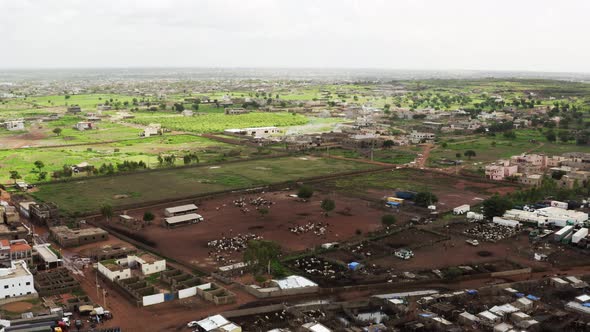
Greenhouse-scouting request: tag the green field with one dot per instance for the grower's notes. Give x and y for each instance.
(89, 194)
(490, 149)
(145, 149)
(209, 123)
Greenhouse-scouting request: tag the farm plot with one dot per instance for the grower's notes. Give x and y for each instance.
(451, 191)
(139, 188)
(145, 149)
(211, 122)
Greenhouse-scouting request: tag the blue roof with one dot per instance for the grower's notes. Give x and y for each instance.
(471, 291)
(587, 304)
(532, 297)
(353, 265)
(519, 294)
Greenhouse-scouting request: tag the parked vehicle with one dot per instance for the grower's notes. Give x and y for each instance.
(461, 209)
(474, 243)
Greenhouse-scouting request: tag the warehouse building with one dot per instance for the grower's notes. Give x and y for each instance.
(185, 219)
(180, 210)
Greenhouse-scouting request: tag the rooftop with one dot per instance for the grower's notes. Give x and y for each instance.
(18, 269)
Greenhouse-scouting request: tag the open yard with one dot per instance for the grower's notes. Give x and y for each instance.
(89, 194)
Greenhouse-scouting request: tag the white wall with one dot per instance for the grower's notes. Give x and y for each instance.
(112, 275)
(187, 292)
(157, 266)
(153, 299)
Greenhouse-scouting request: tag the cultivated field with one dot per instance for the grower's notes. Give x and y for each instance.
(89, 194)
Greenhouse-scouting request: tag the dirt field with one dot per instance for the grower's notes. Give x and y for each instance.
(17, 307)
(189, 243)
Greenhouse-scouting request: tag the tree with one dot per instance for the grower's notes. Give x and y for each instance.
(305, 192)
(458, 155)
(550, 135)
(42, 176)
(444, 145)
(469, 154)
(327, 205)
(425, 198)
(195, 107)
(260, 254)
(148, 216)
(14, 175)
(388, 143)
(57, 131)
(388, 220)
(39, 164)
(495, 206)
(106, 211)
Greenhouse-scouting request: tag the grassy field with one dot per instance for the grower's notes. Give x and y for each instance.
(89, 194)
(392, 156)
(209, 123)
(489, 149)
(145, 149)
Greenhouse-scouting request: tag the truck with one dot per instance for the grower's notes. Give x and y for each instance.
(405, 194)
(580, 234)
(558, 204)
(560, 234)
(404, 254)
(461, 209)
(393, 204)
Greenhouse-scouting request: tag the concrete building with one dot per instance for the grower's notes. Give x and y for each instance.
(147, 263)
(15, 250)
(16, 281)
(46, 257)
(151, 130)
(74, 109)
(67, 237)
(14, 125)
(500, 170)
(256, 132)
(83, 125)
(112, 270)
(236, 111)
(417, 137)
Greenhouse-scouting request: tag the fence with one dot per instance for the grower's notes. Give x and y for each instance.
(152, 299)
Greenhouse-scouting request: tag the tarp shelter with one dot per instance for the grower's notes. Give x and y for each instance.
(85, 308)
(532, 297)
(519, 295)
(471, 291)
(353, 265)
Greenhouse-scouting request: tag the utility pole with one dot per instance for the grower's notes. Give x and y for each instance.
(104, 297)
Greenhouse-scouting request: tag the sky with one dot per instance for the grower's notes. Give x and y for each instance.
(511, 35)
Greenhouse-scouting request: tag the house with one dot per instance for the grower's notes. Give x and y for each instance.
(83, 125)
(13, 250)
(533, 180)
(14, 125)
(256, 132)
(67, 237)
(16, 281)
(113, 270)
(187, 113)
(151, 130)
(236, 111)
(47, 257)
(74, 109)
(500, 170)
(417, 137)
(147, 263)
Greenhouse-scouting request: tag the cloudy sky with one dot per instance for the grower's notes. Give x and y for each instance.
(535, 35)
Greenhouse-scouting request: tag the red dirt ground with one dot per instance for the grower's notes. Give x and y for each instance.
(189, 243)
(17, 306)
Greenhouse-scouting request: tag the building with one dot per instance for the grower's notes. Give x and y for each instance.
(47, 258)
(14, 125)
(417, 137)
(531, 180)
(187, 113)
(113, 270)
(293, 282)
(110, 251)
(67, 237)
(44, 213)
(184, 219)
(16, 281)
(236, 111)
(83, 125)
(256, 132)
(146, 262)
(13, 231)
(74, 109)
(151, 130)
(180, 210)
(500, 170)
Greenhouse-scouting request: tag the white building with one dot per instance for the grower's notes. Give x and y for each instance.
(217, 323)
(15, 124)
(83, 125)
(257, 132)
(16, 281)
(420, 137)
(187, 113)
(113, 270)
(147, 263)
(151, 130)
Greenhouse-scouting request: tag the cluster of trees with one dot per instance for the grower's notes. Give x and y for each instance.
(425, 198)
(190, 158)
(167, 160)
(127, 166)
